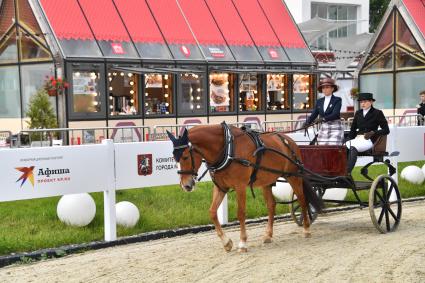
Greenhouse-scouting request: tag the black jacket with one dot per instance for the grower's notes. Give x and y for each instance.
(421, 110)
(374, 118)
(329, 114)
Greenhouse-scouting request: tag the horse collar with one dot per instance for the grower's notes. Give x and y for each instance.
(227, 152)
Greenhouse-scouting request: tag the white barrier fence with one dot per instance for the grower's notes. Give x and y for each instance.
(28, 173)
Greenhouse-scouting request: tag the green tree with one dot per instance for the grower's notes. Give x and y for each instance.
(41, 112)
(377, 10)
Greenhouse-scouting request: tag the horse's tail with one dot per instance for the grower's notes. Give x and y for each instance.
(311, 196)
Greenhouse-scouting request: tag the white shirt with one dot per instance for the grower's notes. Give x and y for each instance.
(326, 103)
(365, 111)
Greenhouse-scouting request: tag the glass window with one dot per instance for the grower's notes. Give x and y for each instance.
(381, 85)
(33, 77)
(277, 94)
(409, 85)
(383, 63)
(123, 90)
(385, 38)
(8, 48)
(192, 94)
(406, 60)
(10, 104)
(159, 94)
(80, 48)
(405, 37)
(31, 50)
(250, 92)
(302, 88)
(87, 91)
(222, 92)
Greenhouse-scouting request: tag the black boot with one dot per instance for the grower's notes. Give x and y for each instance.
(352, 158)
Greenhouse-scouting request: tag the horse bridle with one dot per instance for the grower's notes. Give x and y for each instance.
(192, 160)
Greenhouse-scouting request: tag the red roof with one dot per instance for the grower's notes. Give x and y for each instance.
(103, 19)
(139, 21)
(416, 9)
(201, 22)
(171, 21)
(229, 22)
(281, 21)
(256, 22)
(71, 26)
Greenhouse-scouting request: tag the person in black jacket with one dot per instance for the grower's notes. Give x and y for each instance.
(368, 124)
(421, 109)
(328, 110)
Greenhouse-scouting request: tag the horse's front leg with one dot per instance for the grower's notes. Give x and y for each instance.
(241, 198)
(218, 196)
(271, 207)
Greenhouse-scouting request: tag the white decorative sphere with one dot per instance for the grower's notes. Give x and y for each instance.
(127, 214)
(282, 191)
(413, 174)
(335, 194)
(76, 210)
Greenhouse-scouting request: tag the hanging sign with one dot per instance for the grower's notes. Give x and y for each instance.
(117, 48)
(216, 52)
(273, 53)
(185, 50)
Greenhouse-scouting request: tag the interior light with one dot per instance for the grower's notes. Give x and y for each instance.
(131, 83)
(110, 88)
(131, 91)
(166, 95)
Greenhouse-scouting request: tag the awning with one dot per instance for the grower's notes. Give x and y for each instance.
(175, 30)
(260, 30)
(205, 30)
(142, 71)
(233, 29)
(281, 22)
(354, 43)
(108, 28)
(72, 30)
(316, 27)
(143, 30)
(242, 31)
(262, 70)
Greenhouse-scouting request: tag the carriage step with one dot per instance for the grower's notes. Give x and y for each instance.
(362, 185)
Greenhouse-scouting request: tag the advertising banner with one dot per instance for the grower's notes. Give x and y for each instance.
(43, 172)
(146, 164)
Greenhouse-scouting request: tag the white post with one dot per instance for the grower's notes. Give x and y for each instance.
(222, 213)
(394, 148)
(109, 195)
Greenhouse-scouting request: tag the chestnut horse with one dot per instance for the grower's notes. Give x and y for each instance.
(231, 156)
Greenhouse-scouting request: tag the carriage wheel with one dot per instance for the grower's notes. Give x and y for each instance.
(296, 214)
(385, 204)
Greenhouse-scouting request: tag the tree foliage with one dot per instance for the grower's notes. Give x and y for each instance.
(41, 112)
(377, 10)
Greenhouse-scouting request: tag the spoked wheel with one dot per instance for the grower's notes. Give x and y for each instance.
(385, 204)
(296, 214)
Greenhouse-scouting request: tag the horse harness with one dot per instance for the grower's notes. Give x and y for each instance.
(227, 156)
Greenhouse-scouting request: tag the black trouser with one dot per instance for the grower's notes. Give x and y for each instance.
(352, 158)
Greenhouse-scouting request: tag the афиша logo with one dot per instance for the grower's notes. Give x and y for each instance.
(27, 173)
(144, 164)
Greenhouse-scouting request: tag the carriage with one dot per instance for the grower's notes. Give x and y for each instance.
(326, 168)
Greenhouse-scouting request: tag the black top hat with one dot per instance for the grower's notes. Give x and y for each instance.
(365, 96)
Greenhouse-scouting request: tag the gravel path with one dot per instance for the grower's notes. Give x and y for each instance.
(345, 247)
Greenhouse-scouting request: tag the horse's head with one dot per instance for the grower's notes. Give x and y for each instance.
(189, 160)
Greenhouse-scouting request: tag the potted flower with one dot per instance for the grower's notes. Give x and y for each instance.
(55, 86)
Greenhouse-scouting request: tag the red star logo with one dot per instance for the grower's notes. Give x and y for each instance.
(27, 174)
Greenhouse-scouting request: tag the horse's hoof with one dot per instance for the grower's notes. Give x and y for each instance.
(267, 240)
(307, 235)
(228, 246)
(242, 250)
